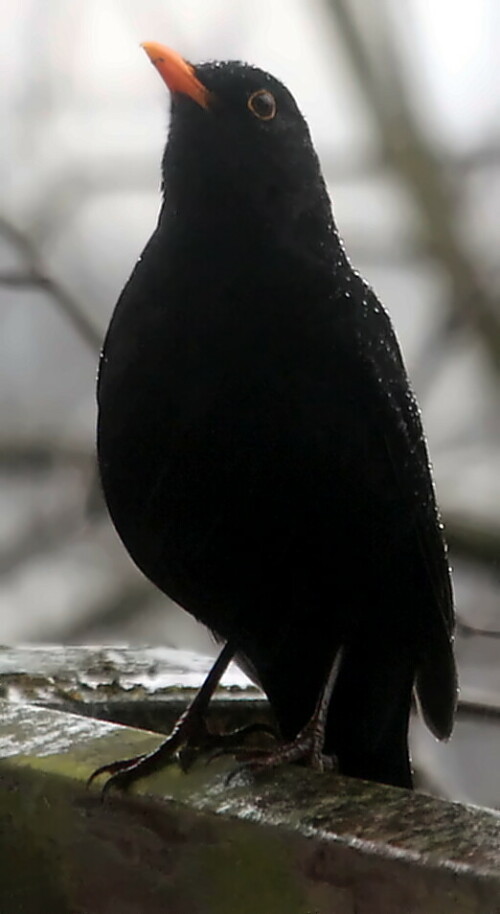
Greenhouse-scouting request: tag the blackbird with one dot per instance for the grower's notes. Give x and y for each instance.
(260, 447)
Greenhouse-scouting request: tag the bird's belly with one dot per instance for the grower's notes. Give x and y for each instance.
(247, 498)
(225, 515)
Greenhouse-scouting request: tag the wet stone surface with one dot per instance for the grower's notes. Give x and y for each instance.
(140, 687)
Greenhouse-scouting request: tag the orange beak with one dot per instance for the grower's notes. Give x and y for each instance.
(176, 72)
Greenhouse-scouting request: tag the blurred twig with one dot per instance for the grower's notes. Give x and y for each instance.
(433, 354)
(340, 166)
(31, 455)
(474, 540)
(33, 275)
(473, 631)
(41, 538)
(128, 600)
(381, 81)
(477, 542)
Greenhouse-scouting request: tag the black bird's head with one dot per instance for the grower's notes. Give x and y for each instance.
(237, 138)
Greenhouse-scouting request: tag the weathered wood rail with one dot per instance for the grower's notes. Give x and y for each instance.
(293, 842)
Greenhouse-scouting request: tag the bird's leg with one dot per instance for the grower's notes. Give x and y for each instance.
(190, 731)
(308, 745)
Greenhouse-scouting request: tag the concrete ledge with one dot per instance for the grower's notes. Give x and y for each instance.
(140, 687)
(297, 842)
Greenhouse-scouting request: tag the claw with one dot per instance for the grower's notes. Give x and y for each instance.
(230, 743)
(114, 768)
(306, 747)
(189, 729)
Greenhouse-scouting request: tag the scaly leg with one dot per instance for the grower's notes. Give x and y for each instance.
(190, 732)
(309, 742)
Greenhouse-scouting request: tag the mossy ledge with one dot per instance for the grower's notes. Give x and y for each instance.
(294, 842)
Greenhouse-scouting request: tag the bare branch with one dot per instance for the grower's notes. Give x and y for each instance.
(472, 631)
(43, 537)
(423, 175)
(128, 599)
(18, 280)
(35, 276)
(474, 540)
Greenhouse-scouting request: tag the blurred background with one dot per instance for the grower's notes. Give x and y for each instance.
(403, 100)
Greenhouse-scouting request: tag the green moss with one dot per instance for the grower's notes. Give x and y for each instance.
(243, 865)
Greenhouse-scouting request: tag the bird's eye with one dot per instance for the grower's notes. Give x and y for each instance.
(263, 104)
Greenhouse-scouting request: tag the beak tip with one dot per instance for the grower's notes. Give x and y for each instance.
(147, 47)
(177, 73)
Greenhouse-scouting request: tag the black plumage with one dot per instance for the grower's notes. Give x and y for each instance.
(260, 449)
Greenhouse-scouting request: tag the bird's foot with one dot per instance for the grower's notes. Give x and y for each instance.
(123, 772)
(189, 739)
(217, 744)
(306, 748)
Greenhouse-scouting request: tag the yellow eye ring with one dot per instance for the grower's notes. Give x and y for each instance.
(262, 103)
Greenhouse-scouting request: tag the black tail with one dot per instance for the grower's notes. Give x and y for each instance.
(436, 685)
(367, 726)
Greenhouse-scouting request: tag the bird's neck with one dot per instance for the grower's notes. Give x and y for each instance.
(236, 223)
